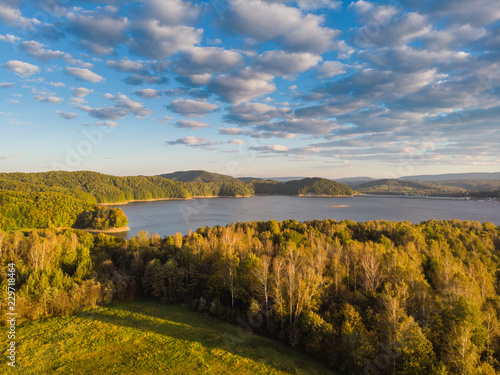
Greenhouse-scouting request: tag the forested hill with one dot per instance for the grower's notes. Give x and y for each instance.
(450, 188)
(198, 176)
(401, 187)
(306, 186)
(59, 199)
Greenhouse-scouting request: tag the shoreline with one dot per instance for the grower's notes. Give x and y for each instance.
(300, 196)
(90, 230)
(168, 199)
(217, 196)
(112, 230)
(321, 196)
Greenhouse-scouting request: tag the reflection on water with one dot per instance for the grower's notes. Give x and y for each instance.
(168, 217)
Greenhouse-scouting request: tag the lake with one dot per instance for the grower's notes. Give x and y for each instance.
(168, 217)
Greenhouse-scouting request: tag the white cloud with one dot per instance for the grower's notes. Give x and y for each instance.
(200, 79)
(452, 37)
(190, 141)
(110, 124)
(397, 31)
(476, 12)
(100, 30)
(286, 25)
(124, 102)
(13, 17)
(236, 142)
(9, 38)
(157, 41)
(22, 69)
(148, 93)
(165, 119)
(292, 125)
(233, 131)
(281, 63)
(105, 113)
(37, 51)
(190, 124)
(254, 113)
(84, 74)
(207, 60)
(319, 4)
(192, 108)
(171, 12)
(256, 134)
(142, 79)
(126, 65)
(331, 69)
(242, 86)
(47, 98)
(57, 84)
(81, 92)
(274, 148)
(81, 64)
(6, 85)
(409, 59)
(67, 115)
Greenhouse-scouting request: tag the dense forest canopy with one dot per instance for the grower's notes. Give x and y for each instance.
(20, 210)
(480, 188)
(369, 298)
(100, 188)
(69, 199)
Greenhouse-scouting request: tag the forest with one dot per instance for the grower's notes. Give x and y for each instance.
(477, 188)
(55, 210)
(70, 199)
(368, 298)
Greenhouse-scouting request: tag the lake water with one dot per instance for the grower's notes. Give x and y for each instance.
(168, 217)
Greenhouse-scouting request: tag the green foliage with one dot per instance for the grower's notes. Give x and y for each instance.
(402, 187)
(21, 210)
(374, 297)
(306, 186)
(102, 218)
(68, 199)
(480, 188)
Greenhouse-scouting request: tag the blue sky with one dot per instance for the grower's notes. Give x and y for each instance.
(250, 87)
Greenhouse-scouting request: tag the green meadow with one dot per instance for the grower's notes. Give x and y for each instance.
(145, 337)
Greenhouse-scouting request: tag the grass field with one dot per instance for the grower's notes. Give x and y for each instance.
(144, 337)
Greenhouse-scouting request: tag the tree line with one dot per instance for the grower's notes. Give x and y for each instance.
(368, 298)
(61, 199)
(20, 210)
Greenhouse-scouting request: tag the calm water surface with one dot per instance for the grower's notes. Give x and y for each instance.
(168, 217)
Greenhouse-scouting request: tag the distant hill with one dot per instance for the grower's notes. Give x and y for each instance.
(316, 186)
(453, 176)
(206, 182)
(248, 179)
(60, 199)
(197, 176)
(306, 186)
(355, 181)
(63, 199)
(401, 187)
(477, 184)
(284, 179)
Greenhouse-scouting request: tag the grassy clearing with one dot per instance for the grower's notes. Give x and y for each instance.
(145, 337)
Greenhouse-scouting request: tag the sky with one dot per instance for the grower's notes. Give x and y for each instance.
(262, 88)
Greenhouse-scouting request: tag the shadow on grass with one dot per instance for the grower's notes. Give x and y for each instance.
(181, 323)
